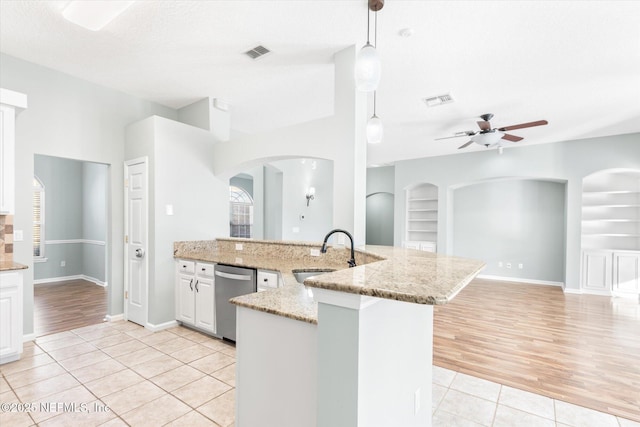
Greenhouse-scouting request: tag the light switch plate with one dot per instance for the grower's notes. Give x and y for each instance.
(238, 246)
(169, 209)
(18, 236)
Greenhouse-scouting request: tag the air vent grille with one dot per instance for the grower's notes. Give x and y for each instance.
(434, 101)
(257, 52)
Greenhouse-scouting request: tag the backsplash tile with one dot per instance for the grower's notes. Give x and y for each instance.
(6, 237)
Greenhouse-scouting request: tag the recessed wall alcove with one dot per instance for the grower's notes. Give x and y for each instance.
(516, 225)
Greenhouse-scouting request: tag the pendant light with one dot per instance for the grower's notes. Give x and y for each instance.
(375, 131)
(367, 69)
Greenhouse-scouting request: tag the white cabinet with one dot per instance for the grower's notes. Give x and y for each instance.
(611, 272)
(422, 217)
(195, 294)
(626, 273)
(10, 315)
(11, 103)
(596, 271)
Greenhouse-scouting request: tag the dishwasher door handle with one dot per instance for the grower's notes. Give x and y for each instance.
(233, 276)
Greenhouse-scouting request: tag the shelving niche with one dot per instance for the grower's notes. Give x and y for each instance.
(611, 232)
(422, 217)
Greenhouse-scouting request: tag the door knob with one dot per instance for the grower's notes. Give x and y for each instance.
(139, 253)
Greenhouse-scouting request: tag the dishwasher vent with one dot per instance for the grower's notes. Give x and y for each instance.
(257, 52)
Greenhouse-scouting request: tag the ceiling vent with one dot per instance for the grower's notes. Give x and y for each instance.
(434, 101)
(257, 52)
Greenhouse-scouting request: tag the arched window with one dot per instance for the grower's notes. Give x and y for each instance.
(38, 219)
(240, 212)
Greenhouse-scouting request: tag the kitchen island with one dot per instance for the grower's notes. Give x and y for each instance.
(351, 347)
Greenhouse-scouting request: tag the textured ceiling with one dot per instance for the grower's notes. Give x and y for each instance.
(573, 63)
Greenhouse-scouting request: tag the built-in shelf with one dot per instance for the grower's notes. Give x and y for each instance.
(611, 232)
(422, 217)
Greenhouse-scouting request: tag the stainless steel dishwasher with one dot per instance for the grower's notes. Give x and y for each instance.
(230, 282)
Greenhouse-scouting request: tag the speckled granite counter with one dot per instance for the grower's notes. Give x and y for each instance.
(10, 265)
(385, 272)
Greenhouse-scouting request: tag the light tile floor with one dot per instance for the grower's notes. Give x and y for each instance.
(179, 377)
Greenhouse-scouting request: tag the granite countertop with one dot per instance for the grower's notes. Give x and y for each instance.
(10, 265)
(387, 272)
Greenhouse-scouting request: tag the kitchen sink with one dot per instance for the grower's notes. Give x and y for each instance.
(302, 274)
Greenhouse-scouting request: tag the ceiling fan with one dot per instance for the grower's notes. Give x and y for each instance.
(489, 136)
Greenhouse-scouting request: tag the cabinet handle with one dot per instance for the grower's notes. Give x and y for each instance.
(204, 269)
(191, 284)
(265, 279)
(184, 266)
(197, 290)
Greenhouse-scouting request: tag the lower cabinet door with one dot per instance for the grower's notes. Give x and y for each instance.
(185, 307)
(626, 272)
(596, 270)
(205, 304)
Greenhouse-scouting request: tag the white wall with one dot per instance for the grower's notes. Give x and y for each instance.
(297, 177)
(179, 175)
(339, 138)
(568, 161)
(69, 117)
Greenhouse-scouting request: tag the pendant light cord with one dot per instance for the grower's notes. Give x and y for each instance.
(367, 24)
(375, 32)
(374, 102)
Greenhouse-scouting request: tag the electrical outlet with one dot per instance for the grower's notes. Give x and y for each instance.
(520, 266)
(508, 265)
(296, 229)
(17, 236)
(341, 239)
(238, 246)
(500, 264)
(315, 252)
(63, 263)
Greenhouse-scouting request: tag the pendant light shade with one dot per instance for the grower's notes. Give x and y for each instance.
(375, 131)
(367, 69)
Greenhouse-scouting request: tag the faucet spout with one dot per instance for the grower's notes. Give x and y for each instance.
(352, 261)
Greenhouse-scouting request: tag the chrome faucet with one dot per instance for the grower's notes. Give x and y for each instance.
(352, 261)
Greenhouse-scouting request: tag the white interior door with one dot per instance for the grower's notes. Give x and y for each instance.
(136, 241)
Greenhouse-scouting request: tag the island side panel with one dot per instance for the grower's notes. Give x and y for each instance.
(276, 370)
(374, 361)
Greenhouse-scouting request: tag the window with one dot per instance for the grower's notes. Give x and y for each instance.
(240, 212)
(38, 219)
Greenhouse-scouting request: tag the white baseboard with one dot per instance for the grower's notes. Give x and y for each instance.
(572, 291)
(520, 280)
(161, 326)
(115, 317)
(29, 337)
(53, 280)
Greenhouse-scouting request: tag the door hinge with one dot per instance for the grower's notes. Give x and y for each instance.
(126, 238)
(126, 183)
(126, 294)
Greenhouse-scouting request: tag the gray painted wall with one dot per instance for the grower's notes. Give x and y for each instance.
(75, 209)
(568, 161)
(380, 205)
(513, 222)
(272, 203)
(72, 118)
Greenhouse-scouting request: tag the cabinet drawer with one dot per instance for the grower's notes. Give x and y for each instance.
(204, 270)
(188, 267)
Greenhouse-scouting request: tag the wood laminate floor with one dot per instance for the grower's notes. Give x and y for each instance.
(63, 306)
(582, 349)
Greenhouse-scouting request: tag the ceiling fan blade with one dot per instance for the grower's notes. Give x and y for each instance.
(458, 135)
(524, 125)
(512, 138)
(466, 145)
(484, 125)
